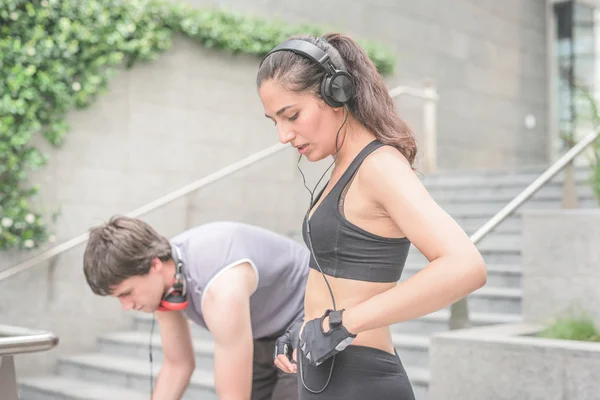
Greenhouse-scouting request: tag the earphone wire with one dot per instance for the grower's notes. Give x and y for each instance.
(313, 251)
(150, 357)
(176, 254)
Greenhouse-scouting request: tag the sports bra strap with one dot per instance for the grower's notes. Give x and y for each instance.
(353, 167)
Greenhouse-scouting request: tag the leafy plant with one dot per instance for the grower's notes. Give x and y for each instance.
(59, 55)
(593, 115)
(572, 328)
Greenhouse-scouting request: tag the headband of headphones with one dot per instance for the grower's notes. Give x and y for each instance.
(306, 49)
(337, 87)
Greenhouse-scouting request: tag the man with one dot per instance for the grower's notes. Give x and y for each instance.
(243, 283)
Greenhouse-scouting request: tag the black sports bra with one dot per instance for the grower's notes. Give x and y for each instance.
(345, 250)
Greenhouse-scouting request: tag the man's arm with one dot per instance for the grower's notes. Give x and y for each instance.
(226, 310)
(179, 360)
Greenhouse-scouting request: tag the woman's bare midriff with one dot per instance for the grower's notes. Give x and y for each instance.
(347, 293)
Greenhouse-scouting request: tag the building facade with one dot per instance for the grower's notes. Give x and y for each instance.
(495, 65)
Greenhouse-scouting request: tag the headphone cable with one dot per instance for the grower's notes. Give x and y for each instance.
(150, 357)
(313, 251)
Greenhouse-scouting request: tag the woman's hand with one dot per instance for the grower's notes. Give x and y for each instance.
(324, 337)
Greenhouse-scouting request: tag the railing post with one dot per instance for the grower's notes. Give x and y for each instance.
(8, 378)
(459, 315)
(430, 126)
(459, 311)
(569, 188)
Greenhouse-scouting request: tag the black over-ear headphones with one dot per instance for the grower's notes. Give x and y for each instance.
(337, 87)
(175, 299)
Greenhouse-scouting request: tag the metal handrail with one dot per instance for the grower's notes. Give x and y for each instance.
(535, 186)
(17, 340)
(460, 307)
(428, 94)
(69, 244)
(415, 92)
(431, 97)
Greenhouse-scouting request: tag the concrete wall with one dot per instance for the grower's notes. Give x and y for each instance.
(560, 261)
(193, 111)
(488, 58)
(504, 362)
(560, 264)
(161, 126)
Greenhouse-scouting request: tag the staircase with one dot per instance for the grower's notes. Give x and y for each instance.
(472, 199)
(119, 368)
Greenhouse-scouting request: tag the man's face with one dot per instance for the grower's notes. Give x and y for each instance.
(142, 292)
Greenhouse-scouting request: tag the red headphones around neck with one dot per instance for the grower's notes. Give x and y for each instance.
(175, 299)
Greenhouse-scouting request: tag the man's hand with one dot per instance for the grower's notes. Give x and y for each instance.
(179, 360)
(285, 348)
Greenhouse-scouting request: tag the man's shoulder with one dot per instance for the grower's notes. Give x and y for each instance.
(220, 230)
(218, 244)
(211, 231)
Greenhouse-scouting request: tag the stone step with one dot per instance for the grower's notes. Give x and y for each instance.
(510, 226)
(411, 348)
(135, 344)
(496, 300)
(500, 242)
(419, 379)
(130, 373)
(143, 322)
(491, 255)
(496, 243)
(438, 322)
(116, 373)
(486, 209)
(490, 298)
(63, 388)
(518, 179)
(503, 195)
(501, 276)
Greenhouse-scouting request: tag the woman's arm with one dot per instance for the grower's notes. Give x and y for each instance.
(456, 267)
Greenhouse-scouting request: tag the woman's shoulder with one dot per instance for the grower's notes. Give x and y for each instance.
(389, 179)
(385, 159)
(384, 167)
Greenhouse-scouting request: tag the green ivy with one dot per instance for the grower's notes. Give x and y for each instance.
(58, 55)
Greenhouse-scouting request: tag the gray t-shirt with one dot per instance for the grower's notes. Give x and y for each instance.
(281, 264)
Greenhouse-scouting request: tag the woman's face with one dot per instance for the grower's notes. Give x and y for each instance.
(302, 119)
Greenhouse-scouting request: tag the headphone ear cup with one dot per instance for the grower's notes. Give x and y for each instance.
(326, 92)
(337, 89)
(341, 87)
(174, 302)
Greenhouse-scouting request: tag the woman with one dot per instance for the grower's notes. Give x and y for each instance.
(327, 99)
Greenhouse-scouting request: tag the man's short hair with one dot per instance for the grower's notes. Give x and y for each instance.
(119, 249)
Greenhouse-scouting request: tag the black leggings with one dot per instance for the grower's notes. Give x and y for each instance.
(359, 373)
